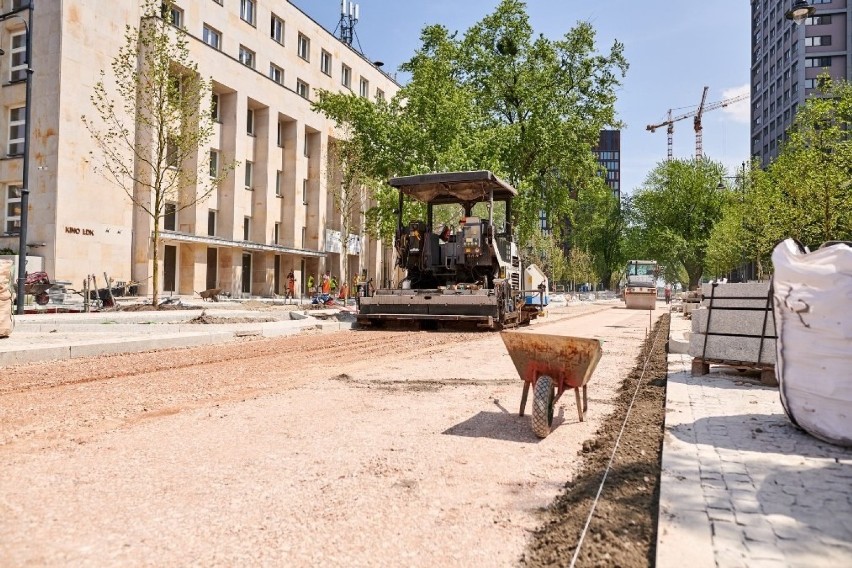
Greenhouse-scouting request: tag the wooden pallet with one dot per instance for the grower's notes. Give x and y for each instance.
(767, 370)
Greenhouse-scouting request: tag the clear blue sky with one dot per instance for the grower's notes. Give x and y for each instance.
(674, 48)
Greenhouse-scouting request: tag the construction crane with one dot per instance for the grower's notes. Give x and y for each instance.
(696, 115)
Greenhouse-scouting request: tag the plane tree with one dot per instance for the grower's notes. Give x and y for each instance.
(528, 108)
(673, 214)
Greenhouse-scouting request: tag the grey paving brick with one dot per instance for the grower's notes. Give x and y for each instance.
(731, 559)
(721, 514)
(760, 550)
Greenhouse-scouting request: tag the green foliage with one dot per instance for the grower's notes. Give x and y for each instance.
(673, 214)
(805, 193)
(814, 170)
(153, 116)
(544, 251)
(528, 108)
(580, 268)
(598, 227)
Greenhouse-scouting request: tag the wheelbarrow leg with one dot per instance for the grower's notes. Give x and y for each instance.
(524, 398)
(581, 409)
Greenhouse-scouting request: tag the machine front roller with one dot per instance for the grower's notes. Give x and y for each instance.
(552, 364)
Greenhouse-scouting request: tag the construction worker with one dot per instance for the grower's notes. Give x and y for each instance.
(291, 286)
(667, 292)
(311, 284)
(326, 283)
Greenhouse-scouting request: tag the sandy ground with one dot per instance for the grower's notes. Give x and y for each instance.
(366, 448)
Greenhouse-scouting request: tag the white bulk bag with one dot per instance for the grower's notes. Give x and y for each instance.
(813, 318)
(6, 322)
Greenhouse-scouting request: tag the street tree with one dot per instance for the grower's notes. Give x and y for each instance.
(673, 213)
(804, 194)
(543, 250)
(349, 186)
(814, 169)
(751, 224)
(528, 108)
(597, 225)
(153, 121)
(548, 100)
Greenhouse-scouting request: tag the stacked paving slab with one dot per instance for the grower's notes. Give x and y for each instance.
(753, 323)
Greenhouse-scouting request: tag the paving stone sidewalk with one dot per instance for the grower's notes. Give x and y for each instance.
(742, 486)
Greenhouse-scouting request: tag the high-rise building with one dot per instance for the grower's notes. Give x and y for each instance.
(787, 59)
(608, 152)
(273, 213)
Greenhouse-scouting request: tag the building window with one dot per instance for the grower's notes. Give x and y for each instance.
(280, 135)
(212, 37)
(303, 48)
(818, 20)
(346, 76)
(277, 29)
(278, 177)
(302, 89)
(325, 62)
(276, 233)
(250, 122)
(304, 237)
(214, 108)
(364, 88)
(172, 151)
(817, 61)
(810, 83)
(246, 228)
(247, 11)
(816, 41)
(170, 217)
(249, 174)
(214, 163)
(305, 191)
(380, 95)
(173, 15)
(13, 209)
(18, 57)
(306, 149)
(276, 73)
(211, 222)
(17, 129)
(246, 57)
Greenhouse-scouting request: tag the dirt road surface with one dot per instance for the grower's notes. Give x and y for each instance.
(365, 448)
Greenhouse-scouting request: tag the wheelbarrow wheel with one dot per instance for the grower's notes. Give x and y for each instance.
(542, 411)
(42, 298)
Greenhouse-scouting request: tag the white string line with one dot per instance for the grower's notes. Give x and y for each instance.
(612, 456)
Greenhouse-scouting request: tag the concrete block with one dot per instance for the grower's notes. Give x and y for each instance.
(294, 315)
(743, 349)
(679, 342)
(34, 354)
(746, 322)
(756, 290)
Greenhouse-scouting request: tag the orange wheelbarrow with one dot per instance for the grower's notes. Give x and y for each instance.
(552, 364)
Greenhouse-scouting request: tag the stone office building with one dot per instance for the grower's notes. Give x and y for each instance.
(272, 214)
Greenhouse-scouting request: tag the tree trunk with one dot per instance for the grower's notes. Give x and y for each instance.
(155, 275)
(694, 272)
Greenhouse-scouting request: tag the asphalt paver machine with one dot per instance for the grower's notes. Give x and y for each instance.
(468, 273)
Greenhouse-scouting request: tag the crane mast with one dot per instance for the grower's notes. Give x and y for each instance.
(696, 115)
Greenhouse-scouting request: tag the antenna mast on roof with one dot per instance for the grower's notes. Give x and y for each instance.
(349, 13)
